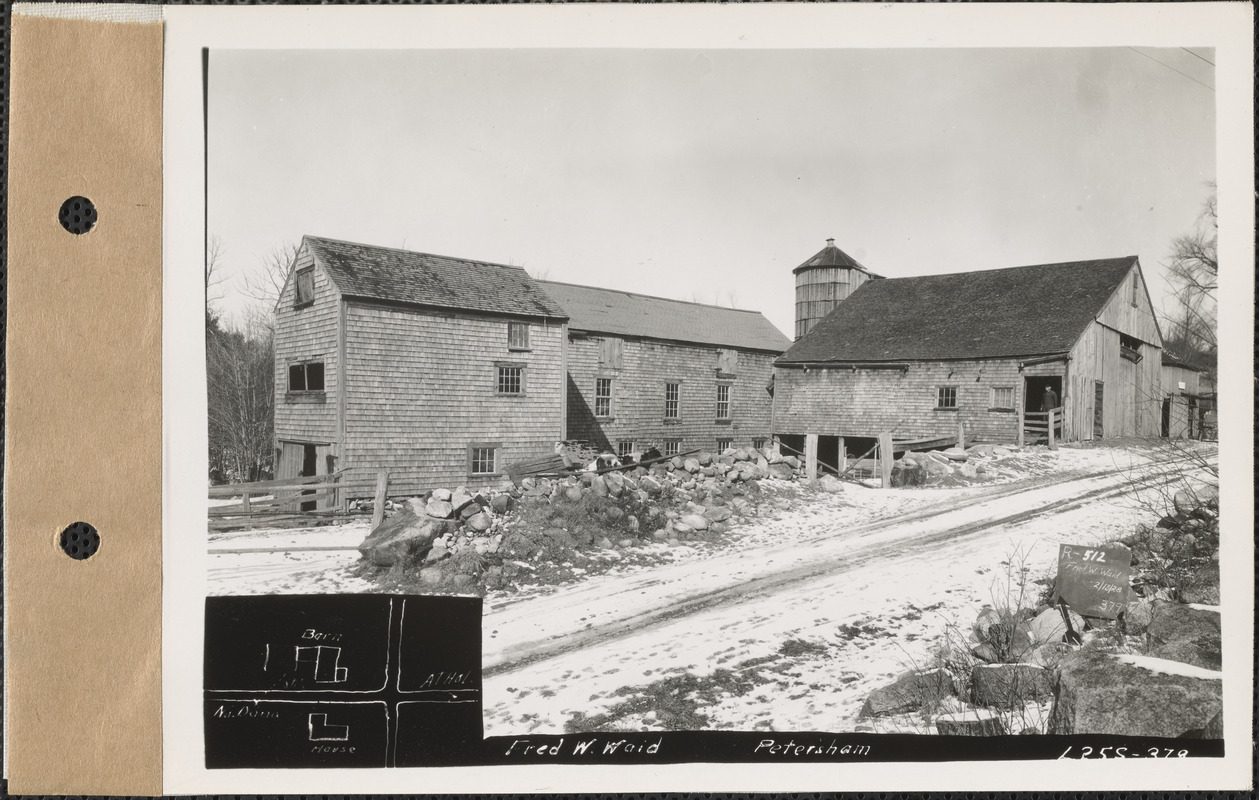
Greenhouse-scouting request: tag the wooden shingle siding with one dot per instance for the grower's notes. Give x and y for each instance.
(638, 388)
(867, 402)
(421, 387)
(302, 334)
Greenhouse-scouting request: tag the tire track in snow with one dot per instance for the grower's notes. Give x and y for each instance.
(551, 628)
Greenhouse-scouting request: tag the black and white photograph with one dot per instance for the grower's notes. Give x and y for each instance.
(866, 392)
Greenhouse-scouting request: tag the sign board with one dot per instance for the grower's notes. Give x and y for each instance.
(1093, 581)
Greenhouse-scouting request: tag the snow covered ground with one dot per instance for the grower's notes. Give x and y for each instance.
(787, 625)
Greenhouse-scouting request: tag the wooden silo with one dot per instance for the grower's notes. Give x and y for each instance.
(824, 280)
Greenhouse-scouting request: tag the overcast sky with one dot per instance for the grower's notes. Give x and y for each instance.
(709, 175)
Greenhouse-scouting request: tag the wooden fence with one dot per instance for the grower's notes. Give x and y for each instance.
(268, 502)
(1041, 425)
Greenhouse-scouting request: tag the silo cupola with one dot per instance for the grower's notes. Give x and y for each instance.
(822, 282)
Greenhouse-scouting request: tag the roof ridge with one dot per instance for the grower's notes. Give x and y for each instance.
(416, 252)
(653, 297)
(1008, 269)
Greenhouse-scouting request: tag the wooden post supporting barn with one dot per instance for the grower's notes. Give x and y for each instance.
(885, 459)
(810, 457)
(843, 457)
(1053, 412)
(378, 506)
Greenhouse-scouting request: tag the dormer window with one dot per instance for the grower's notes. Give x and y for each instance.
(305, 287)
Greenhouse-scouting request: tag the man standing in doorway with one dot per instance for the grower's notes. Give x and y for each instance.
(1049, 400)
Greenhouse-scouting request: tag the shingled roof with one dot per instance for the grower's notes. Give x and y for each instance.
(629, 314)
(1020, 311)
(832, 256)
(401, 276)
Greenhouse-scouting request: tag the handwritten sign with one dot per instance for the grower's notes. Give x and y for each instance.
(1093, 581)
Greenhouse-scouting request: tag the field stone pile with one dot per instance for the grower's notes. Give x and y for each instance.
(1153, 673)
(1179, 557)
(953, 465)
(462, 539)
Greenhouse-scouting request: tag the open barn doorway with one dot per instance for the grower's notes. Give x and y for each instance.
(1034, 391)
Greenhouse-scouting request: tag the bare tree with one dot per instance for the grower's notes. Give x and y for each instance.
(213, 279)
(1194, 273)
(240, 370)
(265, 283)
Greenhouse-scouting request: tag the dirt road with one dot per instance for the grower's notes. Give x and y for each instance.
(852, 605)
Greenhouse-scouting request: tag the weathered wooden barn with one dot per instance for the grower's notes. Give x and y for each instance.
(1183, 408)
(645, 371)
(919, 356)
(441, 371)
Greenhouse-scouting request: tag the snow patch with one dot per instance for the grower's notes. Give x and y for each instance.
(1161, 666)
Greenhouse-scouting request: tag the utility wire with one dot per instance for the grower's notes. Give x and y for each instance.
(1173, 69)
(1195, 55)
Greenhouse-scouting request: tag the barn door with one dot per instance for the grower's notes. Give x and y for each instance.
(291, 457)
(1098, 428)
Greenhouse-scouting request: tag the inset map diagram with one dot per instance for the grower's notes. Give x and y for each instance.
(342, 681)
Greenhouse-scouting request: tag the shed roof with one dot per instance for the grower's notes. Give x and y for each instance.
(403, 276)
(832, 256)
(1170, 359)
(1018, 311)
(629, 314)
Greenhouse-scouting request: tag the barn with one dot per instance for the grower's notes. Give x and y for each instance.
(440, 370)
(646, 371)
(920, 356)
(1183, 408)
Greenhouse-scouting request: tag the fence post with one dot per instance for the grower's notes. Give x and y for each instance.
(378, 507)
(810, 456)
(244, 502)
(1052, 444)
(885, 459)
(1020, 426)
(961, 437)
(843, 457)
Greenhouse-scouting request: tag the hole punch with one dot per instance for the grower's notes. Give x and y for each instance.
(80, 540)
(77, 215)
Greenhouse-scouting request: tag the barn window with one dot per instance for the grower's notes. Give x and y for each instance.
(483, 458)
(511, 379)
(727, 361)
(758, 444)
(517, 336)
(603, 397)
(306, 377)
(672, 447)
(671, 393)
(624, 448)
(1129, 347)
(946, 397)
(1002, 398)
(305, 287)
(723, 445)
(723, 401)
